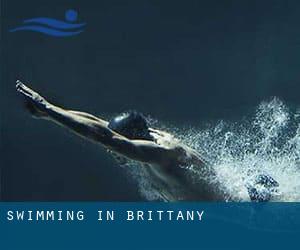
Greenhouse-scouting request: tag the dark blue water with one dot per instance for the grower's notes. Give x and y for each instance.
(185, 64)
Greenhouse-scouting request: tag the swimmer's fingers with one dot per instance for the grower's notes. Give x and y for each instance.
(161, 133)
(154, 135)
(154, 130)
(24, 90)
(37, 102)
(28, 93)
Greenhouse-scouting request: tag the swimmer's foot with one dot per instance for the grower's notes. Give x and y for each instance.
(34, 103)
(263, 188)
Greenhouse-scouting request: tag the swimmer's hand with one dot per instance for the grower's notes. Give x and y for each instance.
(35, 103)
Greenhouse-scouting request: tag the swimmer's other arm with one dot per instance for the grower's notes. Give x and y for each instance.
(95, 129)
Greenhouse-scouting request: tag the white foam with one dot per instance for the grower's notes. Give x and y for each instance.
(268, 142)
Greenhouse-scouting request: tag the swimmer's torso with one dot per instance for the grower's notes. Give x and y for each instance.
(180, 183)
(177, 179)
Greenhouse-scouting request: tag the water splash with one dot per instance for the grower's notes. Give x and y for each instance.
(267, 142)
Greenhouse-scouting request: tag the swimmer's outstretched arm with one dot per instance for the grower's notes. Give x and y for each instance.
(95, 129)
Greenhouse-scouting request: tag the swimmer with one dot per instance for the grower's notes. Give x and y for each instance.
(262, 188)
(129, 136)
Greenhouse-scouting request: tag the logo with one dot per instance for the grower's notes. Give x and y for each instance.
(53, 27)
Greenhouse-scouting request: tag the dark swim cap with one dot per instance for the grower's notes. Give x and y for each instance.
(132, 125)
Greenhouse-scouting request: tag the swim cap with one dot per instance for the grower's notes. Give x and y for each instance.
(132, 125)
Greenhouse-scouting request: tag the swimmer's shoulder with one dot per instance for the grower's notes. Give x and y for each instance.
(185, 155)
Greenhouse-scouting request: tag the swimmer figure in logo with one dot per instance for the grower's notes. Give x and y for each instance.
(129, 135)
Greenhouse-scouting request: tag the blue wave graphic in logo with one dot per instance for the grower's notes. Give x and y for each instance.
(53, 27)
